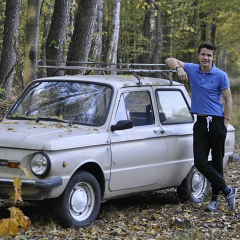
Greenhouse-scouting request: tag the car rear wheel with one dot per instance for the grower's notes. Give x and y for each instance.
(79, 204)
(195, 187)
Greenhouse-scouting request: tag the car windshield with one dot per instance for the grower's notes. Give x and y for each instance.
(74, 102)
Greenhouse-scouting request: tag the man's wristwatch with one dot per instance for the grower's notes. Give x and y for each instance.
(178, 67)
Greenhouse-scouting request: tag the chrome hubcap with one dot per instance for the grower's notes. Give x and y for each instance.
(82, 201)
(79, 200)
(199, 184)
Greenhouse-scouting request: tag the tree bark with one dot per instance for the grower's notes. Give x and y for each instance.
(155, 32)
(113, 44)
(80, 44)
(212, 32)
(46, 27)
(8, 58)
(31, 41)
(2, 13)
(57, 35)
(96, 48)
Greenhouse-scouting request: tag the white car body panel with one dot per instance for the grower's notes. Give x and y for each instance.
(128, 161)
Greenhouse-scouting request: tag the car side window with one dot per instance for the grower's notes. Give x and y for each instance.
(172, 107)
(135, 106)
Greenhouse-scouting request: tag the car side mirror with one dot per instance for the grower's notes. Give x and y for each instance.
(122, 124)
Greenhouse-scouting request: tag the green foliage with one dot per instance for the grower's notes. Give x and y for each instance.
(2, 91)
(185, 24)
(55, 44)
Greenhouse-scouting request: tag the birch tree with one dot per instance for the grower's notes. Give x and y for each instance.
(153, 31)
(113, 43)
(96, 47)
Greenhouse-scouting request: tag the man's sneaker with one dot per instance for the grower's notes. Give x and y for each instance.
(231, 199)
(212, 207)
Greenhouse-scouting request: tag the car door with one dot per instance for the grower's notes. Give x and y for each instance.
(139, 152)
(177, 123)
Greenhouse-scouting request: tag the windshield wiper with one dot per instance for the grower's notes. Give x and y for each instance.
(25, 118)
(56, 119)
(37, 119)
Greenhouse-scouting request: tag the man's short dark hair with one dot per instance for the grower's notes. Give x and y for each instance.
(207, 45)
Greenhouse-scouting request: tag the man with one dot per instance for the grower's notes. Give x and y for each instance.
(208, 84)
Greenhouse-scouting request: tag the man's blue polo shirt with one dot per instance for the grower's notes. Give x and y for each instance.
(206, 89)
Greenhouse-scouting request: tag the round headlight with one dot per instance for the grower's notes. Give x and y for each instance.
(40, 164)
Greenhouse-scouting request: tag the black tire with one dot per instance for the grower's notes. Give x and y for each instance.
(194, 188)
(79, 204)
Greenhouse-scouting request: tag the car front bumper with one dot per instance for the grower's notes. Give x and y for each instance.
(31, 189)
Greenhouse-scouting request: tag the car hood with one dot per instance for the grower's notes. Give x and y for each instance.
(49, 136)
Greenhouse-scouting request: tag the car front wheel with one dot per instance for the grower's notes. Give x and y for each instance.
(79, 204)
(195, 187)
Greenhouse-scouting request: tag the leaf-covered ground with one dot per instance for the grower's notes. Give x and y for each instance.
(156, 215)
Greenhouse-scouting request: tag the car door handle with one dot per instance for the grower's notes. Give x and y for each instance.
(159, 131)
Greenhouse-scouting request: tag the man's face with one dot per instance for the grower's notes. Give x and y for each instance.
(206, 58)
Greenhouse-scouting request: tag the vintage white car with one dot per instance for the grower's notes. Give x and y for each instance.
(89, 138)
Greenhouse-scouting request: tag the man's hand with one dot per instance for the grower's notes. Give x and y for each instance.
(174, 63)
(226, 123)
(182, 75)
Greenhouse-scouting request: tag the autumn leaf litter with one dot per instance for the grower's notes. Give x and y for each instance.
(155, 215)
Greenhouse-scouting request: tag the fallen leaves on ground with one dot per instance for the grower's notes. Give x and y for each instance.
(11, 226)
(17, 220)
(156, 215)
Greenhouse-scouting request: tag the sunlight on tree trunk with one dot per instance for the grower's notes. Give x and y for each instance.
(31, 41)
(113, 45)
(96, 48)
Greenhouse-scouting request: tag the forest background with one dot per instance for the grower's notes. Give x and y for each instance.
(121, 31)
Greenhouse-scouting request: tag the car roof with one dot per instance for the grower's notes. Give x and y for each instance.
(117, 81)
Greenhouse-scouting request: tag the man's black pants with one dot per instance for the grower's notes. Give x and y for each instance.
(210, 135)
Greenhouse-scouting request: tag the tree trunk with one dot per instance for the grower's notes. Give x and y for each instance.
(57, 35)
(8, 59)
(80, 44)
(2, 19)
(31, 41)
(146, 27)
(113, 44)
(46, 26)
(159, 44)
(203, 26)
(96, 48)
(155, 33)
(212, 32)
(153, 29)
